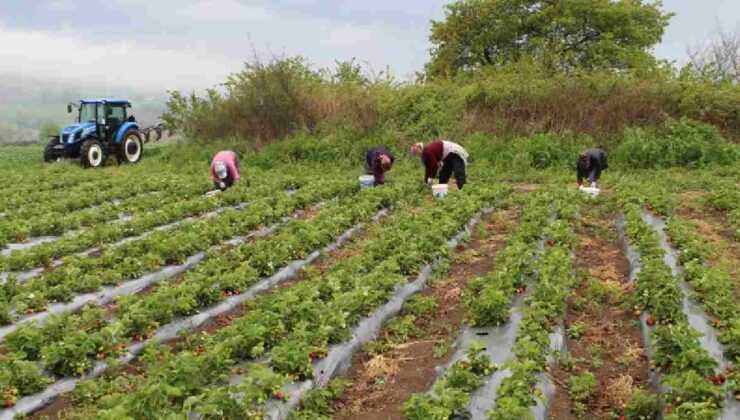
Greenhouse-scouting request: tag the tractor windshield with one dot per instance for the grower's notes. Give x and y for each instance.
(87, 112)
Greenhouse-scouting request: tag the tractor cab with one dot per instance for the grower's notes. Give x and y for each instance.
(103, 127)
(107, 116)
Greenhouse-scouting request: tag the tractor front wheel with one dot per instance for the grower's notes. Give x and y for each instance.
(92, 154)
(131, 148)
(50, 154)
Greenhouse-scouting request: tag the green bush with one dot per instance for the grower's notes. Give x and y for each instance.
(643, 405)
(683, 143)
(544, 151)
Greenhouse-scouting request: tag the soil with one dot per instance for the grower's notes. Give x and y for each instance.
(610, 345)
(409, 367)
(53, 411)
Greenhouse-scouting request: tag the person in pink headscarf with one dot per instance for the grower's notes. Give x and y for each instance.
(225, 169)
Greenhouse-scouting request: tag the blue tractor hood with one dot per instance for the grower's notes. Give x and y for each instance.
(75, 129)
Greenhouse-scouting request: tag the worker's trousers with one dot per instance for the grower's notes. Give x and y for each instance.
(453, 164)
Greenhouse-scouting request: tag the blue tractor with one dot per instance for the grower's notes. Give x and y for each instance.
(103, 128)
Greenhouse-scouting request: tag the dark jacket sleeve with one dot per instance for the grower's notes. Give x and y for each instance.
(580, 171)
(378, 172)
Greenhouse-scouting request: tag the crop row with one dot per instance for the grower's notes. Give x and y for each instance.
(171, 247)
(70, 344)
(542, 307)
(713, 286)
(488, 301)
(288, 328)
(145, 196)
(80, 198)
(45, 254)
(27, 187)
(489, 298)
(678, 355)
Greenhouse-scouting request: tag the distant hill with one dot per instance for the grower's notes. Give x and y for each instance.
(28, 103)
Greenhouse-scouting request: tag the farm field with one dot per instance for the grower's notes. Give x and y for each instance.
(127, 293)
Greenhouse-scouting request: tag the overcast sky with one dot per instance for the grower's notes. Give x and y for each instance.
(190, 44)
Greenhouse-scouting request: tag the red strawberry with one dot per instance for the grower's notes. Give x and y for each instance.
(8, 403)
(668, 409)
(280, 396)
(722, 378)
(650, 321)
(29, 311)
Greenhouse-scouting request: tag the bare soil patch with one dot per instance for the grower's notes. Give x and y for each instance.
(381, 383)
(609, 344)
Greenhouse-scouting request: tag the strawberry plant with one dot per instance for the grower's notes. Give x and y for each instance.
(581, 388)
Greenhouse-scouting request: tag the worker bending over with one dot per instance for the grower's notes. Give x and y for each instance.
(449, 156)
(378, 161)
(590, 164)
(225, 169)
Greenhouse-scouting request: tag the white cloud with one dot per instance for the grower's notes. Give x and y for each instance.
(224, 11)
(64, 55)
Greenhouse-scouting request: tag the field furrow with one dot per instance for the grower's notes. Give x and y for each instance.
(232, 338)
(231, 294)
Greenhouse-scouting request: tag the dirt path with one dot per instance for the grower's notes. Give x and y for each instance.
(603, 335)
(381, 383)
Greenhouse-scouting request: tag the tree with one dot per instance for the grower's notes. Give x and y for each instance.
(560, 34)
(718, 60)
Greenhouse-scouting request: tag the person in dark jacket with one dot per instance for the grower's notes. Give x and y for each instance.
(590, 164)
(378, 161)
(445, 157)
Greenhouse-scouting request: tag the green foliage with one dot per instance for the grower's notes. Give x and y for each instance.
(545, 152)
(420, 305)
(677, 143)
(580, 389)
(560, 35)
(643, 405)
(317, 403)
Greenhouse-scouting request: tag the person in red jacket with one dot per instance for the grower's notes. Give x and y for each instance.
(444, 157)
(225, 169)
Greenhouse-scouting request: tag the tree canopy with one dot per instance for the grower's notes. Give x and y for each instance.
(560, 34)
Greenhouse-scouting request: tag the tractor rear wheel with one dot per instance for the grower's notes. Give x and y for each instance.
(92, 154)
(50, 155)
(131, 148)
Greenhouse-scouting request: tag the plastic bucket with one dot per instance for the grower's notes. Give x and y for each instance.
(367, 181)
(440, 190)
(593, 192)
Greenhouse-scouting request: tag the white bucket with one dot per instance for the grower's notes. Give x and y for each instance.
(592, 191)
(440, 190)
(367, 181)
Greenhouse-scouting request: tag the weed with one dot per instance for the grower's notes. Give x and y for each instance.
(420, 305)
(575, 331)
(441, 348)
(581, 388)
